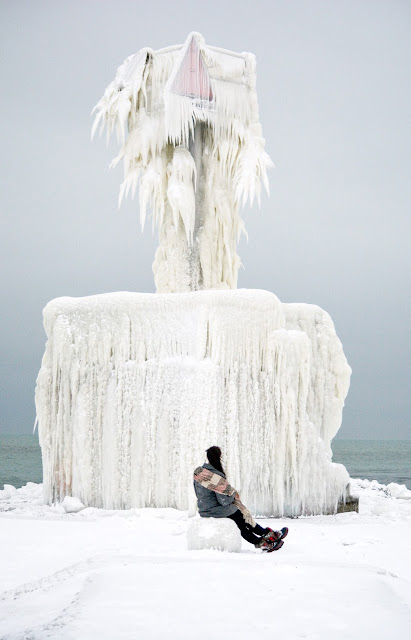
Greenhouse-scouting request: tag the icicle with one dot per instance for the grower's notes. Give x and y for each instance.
(180, 191)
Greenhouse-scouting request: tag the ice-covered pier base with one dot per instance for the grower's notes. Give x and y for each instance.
(134, 387)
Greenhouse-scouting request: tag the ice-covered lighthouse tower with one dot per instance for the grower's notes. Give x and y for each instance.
(134, 387)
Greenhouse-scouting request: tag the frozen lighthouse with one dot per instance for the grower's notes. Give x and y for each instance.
(134, 387)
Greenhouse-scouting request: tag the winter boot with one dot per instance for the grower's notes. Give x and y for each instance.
(268, 545)
(275, 546)
(273, 536)
(263, 544)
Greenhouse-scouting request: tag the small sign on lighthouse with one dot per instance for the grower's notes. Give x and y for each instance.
(191, 78)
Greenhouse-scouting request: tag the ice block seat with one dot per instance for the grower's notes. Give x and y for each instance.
(213, 533)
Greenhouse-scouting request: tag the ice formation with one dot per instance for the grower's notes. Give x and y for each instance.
(213, 533)
(134, 387)
(72, 505)
(195, 149)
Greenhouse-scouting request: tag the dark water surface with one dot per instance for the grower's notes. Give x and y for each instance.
(383, 460)
(20, 460)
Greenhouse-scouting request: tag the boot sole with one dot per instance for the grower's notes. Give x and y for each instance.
(275, 547)
(283, 535)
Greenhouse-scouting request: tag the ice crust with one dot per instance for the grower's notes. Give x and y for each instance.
(134, 387)
(213, 533)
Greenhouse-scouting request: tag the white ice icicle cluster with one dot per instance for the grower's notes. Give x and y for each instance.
(134, 387)
(165, 107)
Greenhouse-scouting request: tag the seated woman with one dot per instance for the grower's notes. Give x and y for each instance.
(217, 499)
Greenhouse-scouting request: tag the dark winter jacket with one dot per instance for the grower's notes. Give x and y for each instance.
(212, 504)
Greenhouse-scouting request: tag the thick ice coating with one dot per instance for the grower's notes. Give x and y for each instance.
(186, 118)
(134, 387)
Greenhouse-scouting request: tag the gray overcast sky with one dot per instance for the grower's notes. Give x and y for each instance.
(332, 86)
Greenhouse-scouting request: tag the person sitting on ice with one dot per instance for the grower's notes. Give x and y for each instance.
(217, 499)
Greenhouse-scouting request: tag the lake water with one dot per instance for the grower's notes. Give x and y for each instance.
(383, 460)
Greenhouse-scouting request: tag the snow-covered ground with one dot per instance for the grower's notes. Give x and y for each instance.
(99, 574)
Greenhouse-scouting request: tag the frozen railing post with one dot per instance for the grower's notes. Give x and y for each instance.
(192, 82)
(195, 150)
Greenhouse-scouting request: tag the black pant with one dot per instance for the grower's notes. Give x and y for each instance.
(247, 531)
